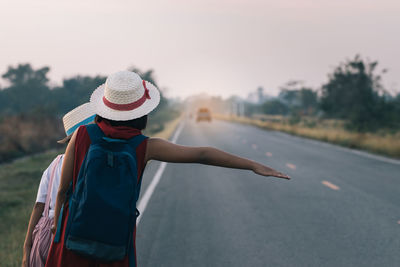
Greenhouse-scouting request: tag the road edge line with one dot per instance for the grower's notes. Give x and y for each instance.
(156, 179)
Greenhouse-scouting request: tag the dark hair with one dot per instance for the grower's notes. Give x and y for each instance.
(139, 123)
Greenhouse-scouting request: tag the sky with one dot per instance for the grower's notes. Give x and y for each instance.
(220, 47)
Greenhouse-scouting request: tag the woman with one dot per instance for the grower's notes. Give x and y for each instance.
(122, 105)
(38, 236)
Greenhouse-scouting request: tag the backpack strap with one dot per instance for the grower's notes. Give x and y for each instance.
(57, 235)
(137, 140)
(95, 133)
(50, 185)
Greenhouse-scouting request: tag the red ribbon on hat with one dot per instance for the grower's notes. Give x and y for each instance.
(129, 106)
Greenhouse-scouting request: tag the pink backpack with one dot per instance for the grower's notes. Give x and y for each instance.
(42, 236)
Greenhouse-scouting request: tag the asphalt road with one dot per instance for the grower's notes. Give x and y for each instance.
(341, 208)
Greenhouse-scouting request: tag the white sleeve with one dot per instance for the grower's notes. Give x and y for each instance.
(44, 183)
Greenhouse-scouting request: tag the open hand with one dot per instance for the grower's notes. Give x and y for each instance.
(267, 171)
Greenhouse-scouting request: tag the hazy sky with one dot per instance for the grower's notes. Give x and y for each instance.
(219, 47)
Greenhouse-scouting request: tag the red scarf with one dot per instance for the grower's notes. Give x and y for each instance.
(118, 132)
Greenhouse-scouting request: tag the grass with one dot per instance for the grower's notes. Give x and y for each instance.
(23, 134)
(331, 131)
(168, 129)
(19, 181)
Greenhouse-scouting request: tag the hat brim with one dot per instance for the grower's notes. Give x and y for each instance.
(65, 139)
(102, 110)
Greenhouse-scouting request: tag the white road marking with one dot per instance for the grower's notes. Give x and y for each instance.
(330, 185)
(156, 179)
(290, 165)
(340, 148)
(276, 135)
(268, 154)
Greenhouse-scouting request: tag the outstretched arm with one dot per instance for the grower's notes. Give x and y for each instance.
(159, 149)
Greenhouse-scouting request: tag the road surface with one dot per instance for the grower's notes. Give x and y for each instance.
(341, 208)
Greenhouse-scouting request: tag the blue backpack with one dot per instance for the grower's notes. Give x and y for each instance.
(102, 208)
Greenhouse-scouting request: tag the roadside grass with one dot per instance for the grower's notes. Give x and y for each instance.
(331, 131)
(19, 181)
(23, 135)
(168, 129)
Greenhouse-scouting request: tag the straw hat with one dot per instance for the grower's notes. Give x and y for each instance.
(80, 115)
(124, 96)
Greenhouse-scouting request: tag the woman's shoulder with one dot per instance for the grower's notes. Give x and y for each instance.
(56, 161)
(52, 165)
(55, 164)
(156, 145)
(44, 181)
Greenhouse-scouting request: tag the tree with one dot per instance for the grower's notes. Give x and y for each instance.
(28, 89)
(274, 107)
(352, 93)
(23, 75)
(74, 92)
(300, 100)
(308, 100)
(289, 93)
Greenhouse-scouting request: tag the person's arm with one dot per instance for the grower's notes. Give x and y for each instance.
(159, 149)
(37, 211)
(65, 180)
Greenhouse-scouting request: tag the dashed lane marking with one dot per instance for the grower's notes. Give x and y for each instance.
(291, 166)
(330, 185)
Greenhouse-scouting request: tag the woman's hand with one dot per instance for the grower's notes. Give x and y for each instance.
(267, 171)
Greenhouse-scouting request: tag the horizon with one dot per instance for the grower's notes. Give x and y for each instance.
(225, 48)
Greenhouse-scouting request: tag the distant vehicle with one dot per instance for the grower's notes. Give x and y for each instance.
(203, 114)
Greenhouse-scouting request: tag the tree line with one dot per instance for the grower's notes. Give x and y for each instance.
(31, 109)
(353, 93)
(28, 91)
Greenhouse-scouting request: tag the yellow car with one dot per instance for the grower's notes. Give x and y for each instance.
(203, 114)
